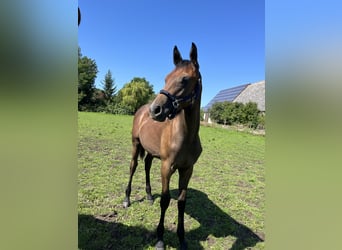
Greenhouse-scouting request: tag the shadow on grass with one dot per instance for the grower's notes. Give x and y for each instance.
(214, 221)
(101, 233)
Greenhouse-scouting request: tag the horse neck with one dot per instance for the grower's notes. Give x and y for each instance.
(192, 118)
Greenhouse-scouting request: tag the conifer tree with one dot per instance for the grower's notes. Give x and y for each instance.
(109, 87)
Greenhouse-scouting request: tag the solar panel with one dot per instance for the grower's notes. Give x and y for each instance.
(226, 95)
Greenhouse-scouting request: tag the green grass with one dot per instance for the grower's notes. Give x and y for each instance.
(226, 201)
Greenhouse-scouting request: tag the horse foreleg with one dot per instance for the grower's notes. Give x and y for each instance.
(164, 204)
(184, 177)
(132, 168)
(148, 163)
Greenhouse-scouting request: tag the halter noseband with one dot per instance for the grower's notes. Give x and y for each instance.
(176, 101)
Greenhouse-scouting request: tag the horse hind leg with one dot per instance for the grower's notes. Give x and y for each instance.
(148, 163)
(137, 149)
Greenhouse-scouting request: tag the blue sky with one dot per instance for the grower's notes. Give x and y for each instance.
(136, 39)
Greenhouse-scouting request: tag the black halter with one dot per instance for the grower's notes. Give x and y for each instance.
(176, 101)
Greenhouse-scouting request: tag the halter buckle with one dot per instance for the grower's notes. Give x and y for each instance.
(175, 104)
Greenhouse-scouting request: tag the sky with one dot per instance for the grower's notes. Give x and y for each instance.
(135, 38)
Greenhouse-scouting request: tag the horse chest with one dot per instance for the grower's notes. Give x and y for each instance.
(187, 154)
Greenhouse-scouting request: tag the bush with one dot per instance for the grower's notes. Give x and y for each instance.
(216, 111)
(261, 121)
(202, 115)
(250, 114)
(230, 113)
(118, 109)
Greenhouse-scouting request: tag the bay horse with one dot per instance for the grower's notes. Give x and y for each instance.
(168, 129)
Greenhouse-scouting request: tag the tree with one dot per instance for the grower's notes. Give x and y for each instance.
(216, 112)
(135, 93)
(109, 88)
(228, 116)
(237, 114)
(87, 70)
(251, 114)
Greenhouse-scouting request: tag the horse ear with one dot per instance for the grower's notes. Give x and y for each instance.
(177, 58)
(79, 16)
(193, 54)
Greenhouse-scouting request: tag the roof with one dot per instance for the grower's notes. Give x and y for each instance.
(250, 92)
(226, 95)
(253, 93)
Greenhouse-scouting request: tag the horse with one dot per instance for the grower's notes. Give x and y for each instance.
(168, 129)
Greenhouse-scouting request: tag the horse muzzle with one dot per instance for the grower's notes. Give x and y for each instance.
(157, 113)
(159, 110)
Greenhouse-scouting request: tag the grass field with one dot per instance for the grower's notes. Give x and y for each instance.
(226, 201)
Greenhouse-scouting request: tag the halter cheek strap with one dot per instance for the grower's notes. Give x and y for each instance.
(173, 99)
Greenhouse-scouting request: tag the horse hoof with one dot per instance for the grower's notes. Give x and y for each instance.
(160, 245)
(126, 204)
(150, 201)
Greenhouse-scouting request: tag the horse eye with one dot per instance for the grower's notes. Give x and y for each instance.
(185, 80)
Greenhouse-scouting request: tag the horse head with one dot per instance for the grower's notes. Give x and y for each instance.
(182, 87)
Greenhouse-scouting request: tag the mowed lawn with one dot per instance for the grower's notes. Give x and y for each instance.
(226, 199)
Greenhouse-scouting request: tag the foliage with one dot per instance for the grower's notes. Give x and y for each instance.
(235, 113)
(226, 199)
(217, 110)
(117, 109)
(202, 115)
(109, 88)
(135, 94)
(87, 71)
(152, 97)
(250, 114)
(261, 121)
(98, 101)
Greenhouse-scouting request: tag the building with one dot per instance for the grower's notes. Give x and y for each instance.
(250, 92)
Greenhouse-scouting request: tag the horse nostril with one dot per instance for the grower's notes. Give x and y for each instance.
(157, 110)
